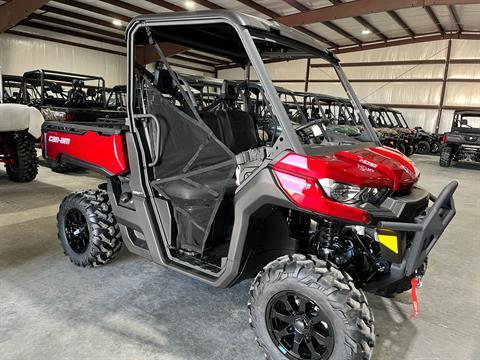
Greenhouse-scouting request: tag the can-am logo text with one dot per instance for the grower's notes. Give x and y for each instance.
(58, 140)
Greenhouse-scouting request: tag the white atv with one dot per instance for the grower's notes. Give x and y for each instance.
(19, 127)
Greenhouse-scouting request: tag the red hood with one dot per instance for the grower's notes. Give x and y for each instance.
(364, 167)
(384, 163)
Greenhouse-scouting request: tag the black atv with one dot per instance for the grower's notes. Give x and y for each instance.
(427, 143)
(462, 143)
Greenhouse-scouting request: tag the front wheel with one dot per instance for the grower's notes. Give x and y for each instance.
(423, 147)
(24, 163)
(303, 308)
(87, 229)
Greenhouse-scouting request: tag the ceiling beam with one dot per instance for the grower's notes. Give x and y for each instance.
(359, 8)
(454, 15)
(318, 37)
(262, 9)
(15, 11)
(342, 32)
(208, 4)
(418, 39)
(392, 42)
(385, 63)
(364, 22)
(95, 9)
(169, 49)
(434, 19)
(69, 24)
(329, 24)
(167, 5)
(89, 19)
(128, 6)
(401, 23)
(370, 27)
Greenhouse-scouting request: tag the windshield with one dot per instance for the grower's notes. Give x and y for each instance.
(467, 120)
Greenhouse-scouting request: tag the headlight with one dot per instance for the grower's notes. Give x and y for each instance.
(350, 194)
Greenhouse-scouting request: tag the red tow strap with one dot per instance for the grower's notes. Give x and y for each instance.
(414, 283)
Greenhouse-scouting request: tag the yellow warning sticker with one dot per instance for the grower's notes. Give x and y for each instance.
(389, 240)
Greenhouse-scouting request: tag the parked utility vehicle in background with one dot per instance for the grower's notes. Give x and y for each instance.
(20, 126)
(63, 96)
(462, 143)
(11, 89)
(333, 111)
(390, 135)
(425, 142)
(314, 222)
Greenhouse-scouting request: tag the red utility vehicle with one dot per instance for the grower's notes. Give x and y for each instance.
(315, 216)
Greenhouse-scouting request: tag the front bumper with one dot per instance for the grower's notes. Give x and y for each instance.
(427, 229)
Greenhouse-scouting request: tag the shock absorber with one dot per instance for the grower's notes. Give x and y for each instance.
(326, 239)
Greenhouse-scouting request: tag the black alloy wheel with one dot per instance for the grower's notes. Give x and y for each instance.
(76, 231)
(299, 328)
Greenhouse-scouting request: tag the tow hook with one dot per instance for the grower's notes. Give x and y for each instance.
(417, 283)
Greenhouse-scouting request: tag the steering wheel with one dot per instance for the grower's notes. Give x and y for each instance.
(309, 137)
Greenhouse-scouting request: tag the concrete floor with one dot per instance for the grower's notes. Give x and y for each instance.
(134, 309)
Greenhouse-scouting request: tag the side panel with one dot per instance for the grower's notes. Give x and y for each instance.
(105, 154)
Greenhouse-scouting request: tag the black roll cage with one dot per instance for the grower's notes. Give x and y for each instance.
(41, 76)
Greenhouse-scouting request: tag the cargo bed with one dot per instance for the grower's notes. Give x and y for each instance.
(99, 147)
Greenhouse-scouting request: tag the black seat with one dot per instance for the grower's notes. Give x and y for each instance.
(233, 127)
(211, 119)
(239, 130)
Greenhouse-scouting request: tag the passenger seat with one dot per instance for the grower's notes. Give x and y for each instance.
(233, 127)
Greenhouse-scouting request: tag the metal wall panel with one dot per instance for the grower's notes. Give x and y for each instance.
(19, 54)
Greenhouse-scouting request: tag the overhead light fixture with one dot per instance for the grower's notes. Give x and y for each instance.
(189, 4)
(116, 22)
(366, 31)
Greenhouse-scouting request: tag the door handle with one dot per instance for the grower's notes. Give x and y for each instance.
(155, 154)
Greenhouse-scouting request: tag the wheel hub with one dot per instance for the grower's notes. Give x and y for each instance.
(298, 327)
(302, 325)
(76, 231)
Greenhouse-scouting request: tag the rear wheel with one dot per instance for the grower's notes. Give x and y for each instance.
(87, 229)
(24, 164)
(446, 156)
(304, 308)
(423, 147)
